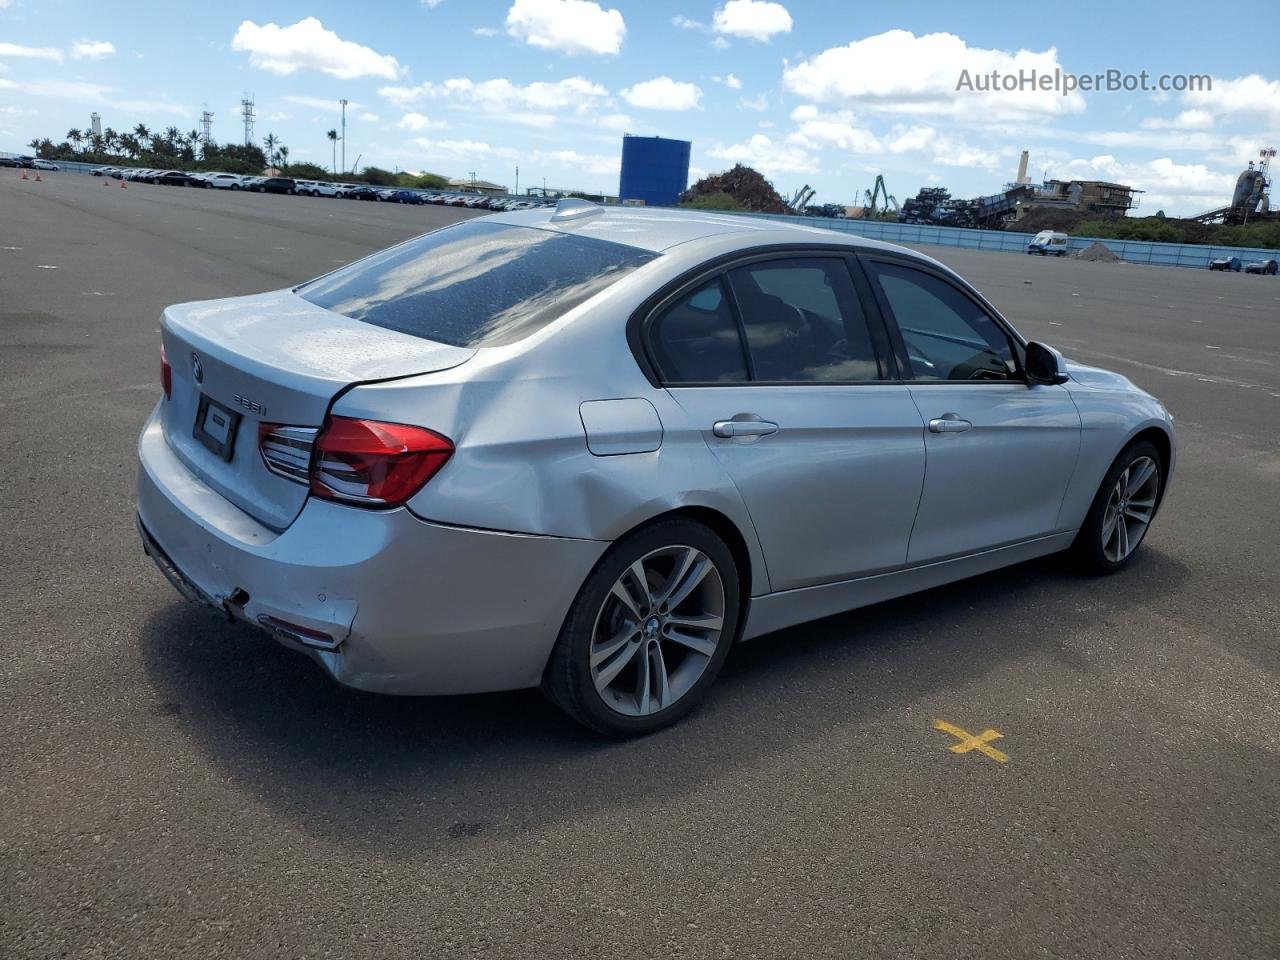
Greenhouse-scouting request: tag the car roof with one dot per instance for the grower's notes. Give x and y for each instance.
(660, 229)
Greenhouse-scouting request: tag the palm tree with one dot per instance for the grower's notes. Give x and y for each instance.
(333, 139)
(270, 142)
(75, 137)
(143, 135)
(34, 144)
(284, 158)
(110, 139)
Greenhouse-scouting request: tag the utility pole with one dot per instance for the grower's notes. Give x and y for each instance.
(343, 101)
(246, 106)
(517, 190)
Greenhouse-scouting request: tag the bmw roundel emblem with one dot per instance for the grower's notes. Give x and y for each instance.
(197, 370)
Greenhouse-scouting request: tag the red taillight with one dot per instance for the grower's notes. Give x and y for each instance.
(166, 374)
(373, 463)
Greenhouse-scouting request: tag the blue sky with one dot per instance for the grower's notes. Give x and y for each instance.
(823, 93)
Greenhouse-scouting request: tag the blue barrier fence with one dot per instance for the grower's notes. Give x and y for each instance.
(1006, 241)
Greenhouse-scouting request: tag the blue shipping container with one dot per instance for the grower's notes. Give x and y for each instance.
(654, 170)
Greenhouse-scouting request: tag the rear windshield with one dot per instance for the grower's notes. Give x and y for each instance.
(475, 284)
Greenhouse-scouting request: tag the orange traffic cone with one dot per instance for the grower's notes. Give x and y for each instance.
(38, 180)
(24, 175)
(122, 185)
(106, 181)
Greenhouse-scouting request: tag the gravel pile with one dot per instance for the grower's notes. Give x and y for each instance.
(1097, 252)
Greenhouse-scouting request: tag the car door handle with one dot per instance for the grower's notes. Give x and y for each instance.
(949, 423)
(743, 428)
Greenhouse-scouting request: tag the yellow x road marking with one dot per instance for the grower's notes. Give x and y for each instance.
(969, 742)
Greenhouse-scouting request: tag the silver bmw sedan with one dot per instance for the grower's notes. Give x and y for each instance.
(590, 450)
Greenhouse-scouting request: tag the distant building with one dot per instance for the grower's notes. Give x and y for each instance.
(1091, 196)
(95, 124)
(655, 170)
(468, 185)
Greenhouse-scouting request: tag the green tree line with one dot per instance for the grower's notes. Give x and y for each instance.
(173, 149)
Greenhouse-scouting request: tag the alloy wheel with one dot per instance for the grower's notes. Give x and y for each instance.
(657, 630)
(1130, 508)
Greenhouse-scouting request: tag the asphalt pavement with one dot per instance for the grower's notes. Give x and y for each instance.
(173, 785)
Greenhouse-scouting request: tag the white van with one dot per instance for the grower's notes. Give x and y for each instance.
(1049, 241)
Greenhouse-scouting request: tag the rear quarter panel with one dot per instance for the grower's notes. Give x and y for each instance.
(522, 463)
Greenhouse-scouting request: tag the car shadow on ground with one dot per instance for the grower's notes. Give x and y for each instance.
(427, 771)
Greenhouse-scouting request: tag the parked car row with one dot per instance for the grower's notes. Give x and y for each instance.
(316, 188)
(30, 163)
(1265, 267)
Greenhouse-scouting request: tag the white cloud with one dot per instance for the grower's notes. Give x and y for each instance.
(663, 93)
(589, 162)
(307, 45)
(432, 4)
(570, 26)
(684, 23)
(465, 151)
(614, 121)
(532, 105)
(91, 49)
(318, 103)
(730, 81)
(899, 72)
(817, 130)
(95, 94)
(752, 19)
(765, 154)
(1186, 120)
(720, 43)
(1252, 95)
(34, 53)
(418, 122)
(942, 149)
(486, 31)
(372, 117)
(758, 103)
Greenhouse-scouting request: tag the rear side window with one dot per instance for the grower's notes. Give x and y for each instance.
(803, 322)
(475, 284)
(696, 339)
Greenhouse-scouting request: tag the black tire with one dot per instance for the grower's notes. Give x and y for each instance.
(1087, 549)
(567, 680)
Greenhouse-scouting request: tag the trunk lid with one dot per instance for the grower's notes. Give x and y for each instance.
(271, 358)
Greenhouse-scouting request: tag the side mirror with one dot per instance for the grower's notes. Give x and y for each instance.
(1045, 365)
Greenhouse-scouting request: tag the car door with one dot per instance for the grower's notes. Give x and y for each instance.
(1000, 452)
(784, 369)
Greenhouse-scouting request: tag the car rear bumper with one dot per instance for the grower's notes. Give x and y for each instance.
(382, 600)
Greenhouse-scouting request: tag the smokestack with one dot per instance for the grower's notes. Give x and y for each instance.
(1022, 167)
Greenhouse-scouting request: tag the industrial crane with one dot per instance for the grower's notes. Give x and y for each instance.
(880, 200)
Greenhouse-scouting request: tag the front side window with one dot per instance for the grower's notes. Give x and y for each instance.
(947, 335)
(803, 321)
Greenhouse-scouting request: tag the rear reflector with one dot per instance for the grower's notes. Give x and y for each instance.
(375, 464)
(298, 633)
(166, 374)
(287, 450)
